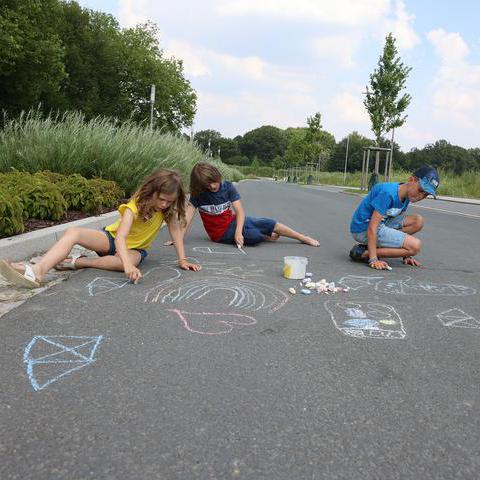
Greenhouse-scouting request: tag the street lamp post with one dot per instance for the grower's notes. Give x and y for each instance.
(152, 103)
(346, 159)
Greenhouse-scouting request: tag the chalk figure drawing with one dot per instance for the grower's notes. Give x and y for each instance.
(212, 323)
(103, 285)
(458, 318)
(50, 358)
(243, 294)
(366, 320)
(406, 286)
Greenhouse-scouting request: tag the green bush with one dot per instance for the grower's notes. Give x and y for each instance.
(39, 198)
(109, 191)
(11, 216)
(51, 177)
(80, 194)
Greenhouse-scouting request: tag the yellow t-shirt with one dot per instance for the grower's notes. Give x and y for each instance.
(141, 234)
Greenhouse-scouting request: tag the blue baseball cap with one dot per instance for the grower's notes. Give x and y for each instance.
(429, 179)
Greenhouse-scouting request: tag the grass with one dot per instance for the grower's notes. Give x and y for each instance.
(101, 147)
(466, 185)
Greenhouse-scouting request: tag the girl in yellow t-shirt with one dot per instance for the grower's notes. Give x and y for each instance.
(123, 245)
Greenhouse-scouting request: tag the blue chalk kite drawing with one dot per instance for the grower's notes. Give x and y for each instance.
(49, 358)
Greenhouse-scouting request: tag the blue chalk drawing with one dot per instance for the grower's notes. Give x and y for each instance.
(54, 357)
(365, 323)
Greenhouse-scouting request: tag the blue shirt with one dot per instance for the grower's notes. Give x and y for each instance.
(216, 209)
(384, 198)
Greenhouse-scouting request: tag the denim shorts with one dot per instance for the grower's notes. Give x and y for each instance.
(254, 230)
(113, 250)
(389, 233)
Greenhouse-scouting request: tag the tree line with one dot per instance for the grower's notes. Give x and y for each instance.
(61, 56)
(283, 148)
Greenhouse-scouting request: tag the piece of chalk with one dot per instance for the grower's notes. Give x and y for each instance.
(292, 290)
(389, 268)
(305, 291)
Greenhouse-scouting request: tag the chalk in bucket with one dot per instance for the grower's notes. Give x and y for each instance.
(294, 268)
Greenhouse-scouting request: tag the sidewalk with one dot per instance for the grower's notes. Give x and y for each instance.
(29, 245)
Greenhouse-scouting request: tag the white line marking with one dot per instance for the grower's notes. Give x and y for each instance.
(448, 211)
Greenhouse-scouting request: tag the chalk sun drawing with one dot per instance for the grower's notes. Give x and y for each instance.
(366, 320)
(50, 358)
(245, 294)
(206, 323)
(458, 318)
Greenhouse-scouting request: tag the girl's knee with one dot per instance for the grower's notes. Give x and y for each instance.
(72, 233)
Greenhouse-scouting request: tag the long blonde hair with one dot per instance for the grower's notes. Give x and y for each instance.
(164, 181)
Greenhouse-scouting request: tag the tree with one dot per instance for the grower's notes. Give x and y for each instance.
(32, 54)
(265, 142)
(383, 103)
(206, 139)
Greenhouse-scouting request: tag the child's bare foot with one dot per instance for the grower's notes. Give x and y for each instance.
(273, 237)
(309, 241)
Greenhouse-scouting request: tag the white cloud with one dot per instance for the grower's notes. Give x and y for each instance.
(402, 27)
(350, 109)
(337, 49)
(235, 115)
(339, 12)
(456, 87)
(132, 12)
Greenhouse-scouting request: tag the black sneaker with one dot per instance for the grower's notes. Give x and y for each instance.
(356, 253)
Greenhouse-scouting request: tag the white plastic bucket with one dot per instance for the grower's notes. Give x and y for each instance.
(294, 268)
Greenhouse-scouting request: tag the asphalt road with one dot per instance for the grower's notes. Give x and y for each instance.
(223, 374)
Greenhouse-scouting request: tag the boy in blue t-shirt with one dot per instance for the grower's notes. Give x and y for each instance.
(380, 225)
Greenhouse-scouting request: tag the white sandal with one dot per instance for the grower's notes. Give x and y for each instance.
(70, 265)
(27, 279)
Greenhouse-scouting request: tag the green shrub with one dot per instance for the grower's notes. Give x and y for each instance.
(109, 191)
(80, 194)
(39, 198)
(49, 176)
(11, 216)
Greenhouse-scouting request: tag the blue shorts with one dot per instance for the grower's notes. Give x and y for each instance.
(389, 233)
(113, 250)
(254, 230)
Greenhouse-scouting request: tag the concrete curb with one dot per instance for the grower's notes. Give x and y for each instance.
(29, 244)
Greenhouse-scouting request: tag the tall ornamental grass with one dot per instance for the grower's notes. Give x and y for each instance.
(67, 144)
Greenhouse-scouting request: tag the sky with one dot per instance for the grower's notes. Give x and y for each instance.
(277, 62)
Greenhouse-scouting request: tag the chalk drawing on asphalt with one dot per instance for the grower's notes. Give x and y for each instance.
(103, 285)
(366, 320)
(206, 323)
(356, 282)
(405, 286)
(248, 271)
(218, 250)
(241, 293)
(458, 318)
(50, 358)
(415, 287)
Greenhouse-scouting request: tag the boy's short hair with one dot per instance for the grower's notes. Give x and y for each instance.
(203, 174)
(428, 179)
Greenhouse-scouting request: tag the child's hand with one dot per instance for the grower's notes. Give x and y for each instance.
(379, 265)
(133, 273)
(186, 265)
(411, 261)
(239, 239)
